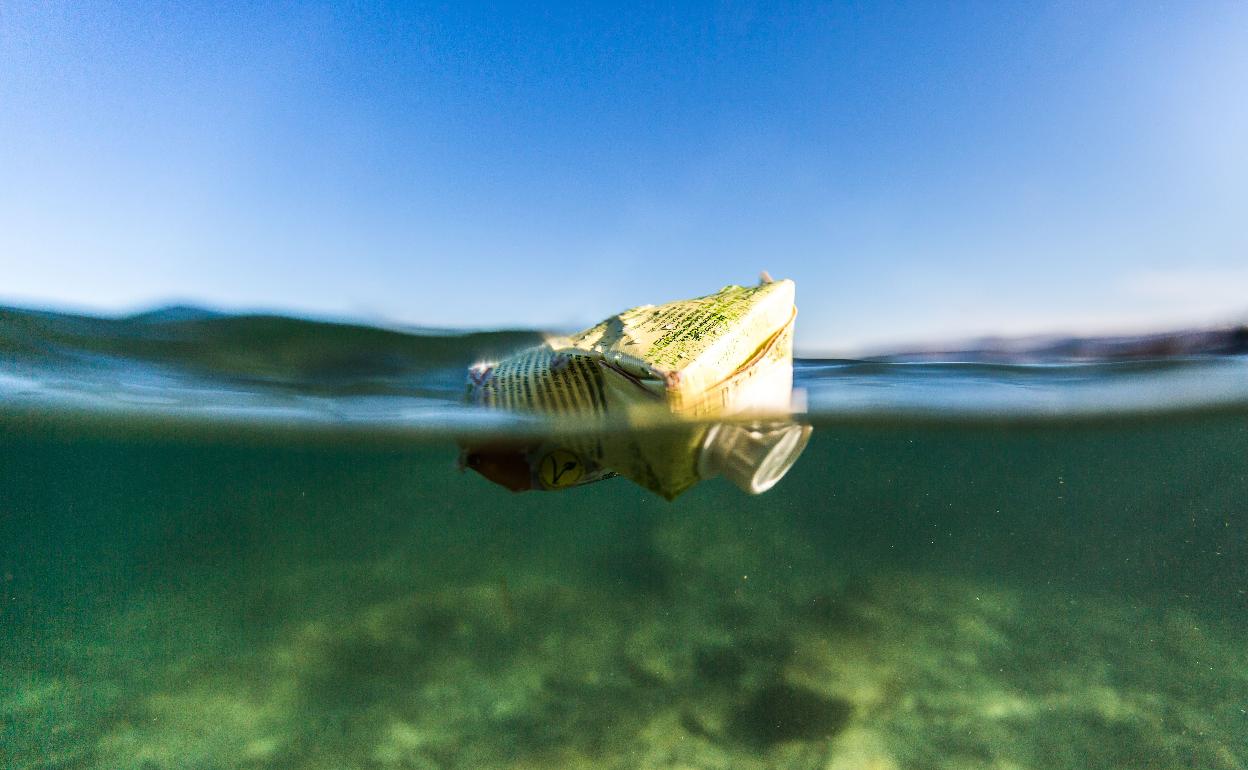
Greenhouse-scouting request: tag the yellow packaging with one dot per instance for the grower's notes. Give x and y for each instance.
(728, 353)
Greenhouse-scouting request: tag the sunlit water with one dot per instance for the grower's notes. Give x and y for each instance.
(243, 542)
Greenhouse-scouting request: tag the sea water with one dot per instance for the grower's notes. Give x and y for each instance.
(234, 542)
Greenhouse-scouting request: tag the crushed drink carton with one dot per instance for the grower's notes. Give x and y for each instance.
(657, 385)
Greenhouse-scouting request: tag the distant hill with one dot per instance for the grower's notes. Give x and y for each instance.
(1230, 340)
(172, 313)
(279, 346)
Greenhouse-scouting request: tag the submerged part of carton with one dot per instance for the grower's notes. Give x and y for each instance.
(753, 457)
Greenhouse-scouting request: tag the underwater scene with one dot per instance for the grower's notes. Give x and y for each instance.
(266, 542)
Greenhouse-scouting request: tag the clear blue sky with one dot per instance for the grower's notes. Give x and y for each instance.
(922, 170)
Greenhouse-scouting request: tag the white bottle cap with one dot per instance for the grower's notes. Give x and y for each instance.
(753, 457)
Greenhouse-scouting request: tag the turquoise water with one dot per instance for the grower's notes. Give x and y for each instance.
(243, 542)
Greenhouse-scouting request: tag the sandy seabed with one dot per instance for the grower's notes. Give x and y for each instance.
(710, 650)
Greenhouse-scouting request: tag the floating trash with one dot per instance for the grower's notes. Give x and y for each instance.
(710, 379)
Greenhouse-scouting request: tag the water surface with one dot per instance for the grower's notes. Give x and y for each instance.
(242, 542)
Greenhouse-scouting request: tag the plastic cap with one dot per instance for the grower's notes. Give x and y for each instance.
(753, 457)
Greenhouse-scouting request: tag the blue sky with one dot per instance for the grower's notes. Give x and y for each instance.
(921, 170)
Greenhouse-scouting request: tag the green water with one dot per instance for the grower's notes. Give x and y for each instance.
(975, 594)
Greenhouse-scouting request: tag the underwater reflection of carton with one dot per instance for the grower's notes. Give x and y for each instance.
(665, 396)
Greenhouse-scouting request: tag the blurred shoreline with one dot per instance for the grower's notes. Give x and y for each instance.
(1230, 339)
